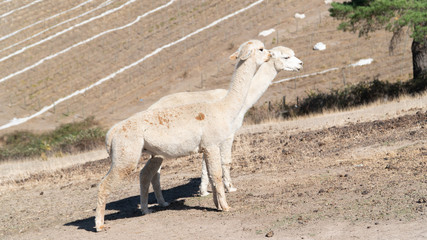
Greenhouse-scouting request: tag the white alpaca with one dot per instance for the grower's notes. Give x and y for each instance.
(283, 58)
(179, 131)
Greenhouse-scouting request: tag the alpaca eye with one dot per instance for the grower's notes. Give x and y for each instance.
(286, 57)
(261, 49)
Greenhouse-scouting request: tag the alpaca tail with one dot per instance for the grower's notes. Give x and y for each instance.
(109, 140)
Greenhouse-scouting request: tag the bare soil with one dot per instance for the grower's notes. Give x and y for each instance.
(364, 177)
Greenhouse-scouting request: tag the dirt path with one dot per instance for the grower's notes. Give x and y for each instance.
(358, 180)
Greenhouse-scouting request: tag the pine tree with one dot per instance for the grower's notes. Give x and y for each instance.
(367, 16)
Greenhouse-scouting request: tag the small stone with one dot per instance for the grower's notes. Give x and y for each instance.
(269, 234)
(41, 193)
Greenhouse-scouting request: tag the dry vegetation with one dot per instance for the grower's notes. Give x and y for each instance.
(351, 96)
(70, 138)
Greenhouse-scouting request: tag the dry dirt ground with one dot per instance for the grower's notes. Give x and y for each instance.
(360, 174)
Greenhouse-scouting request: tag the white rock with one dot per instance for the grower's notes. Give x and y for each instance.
(328, 1)
(267, 32)
(319, 46)
(362, 62)
(301, 16)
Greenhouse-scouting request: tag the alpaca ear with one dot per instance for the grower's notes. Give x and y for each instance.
(234, 55)
(245, 55)
(245, 51)
(241, 54)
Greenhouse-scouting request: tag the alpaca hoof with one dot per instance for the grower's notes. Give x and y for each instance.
(164, 204)
(145, 212)
(101, 228)
(232, 189)
(226, 209)
(204, 194)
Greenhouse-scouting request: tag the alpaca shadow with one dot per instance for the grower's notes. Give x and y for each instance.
(128, 207)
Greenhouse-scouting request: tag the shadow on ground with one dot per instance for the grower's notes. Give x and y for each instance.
(128, 207)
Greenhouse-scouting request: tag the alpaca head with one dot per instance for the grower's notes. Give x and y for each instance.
(252, 49)
(284, 59)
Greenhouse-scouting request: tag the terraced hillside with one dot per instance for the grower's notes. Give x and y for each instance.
(61, 61)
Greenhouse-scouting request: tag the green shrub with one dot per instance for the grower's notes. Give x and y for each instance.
(67, 138)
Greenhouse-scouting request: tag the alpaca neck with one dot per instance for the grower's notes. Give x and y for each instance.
(241, 81)
(259, 84)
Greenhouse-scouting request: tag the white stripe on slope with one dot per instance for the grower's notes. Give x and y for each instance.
(104, 4)
(306, 75)
(83, 42)
(17, 9)
(68, 29)
(46, 19)
(17, 121)
(5, 1)
(361, 62)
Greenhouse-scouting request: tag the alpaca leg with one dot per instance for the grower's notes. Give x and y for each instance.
(204, 180)
(213, 164)
(103, 192)
(124, 162)
(225, 149)
(145, 176)
(158, 189)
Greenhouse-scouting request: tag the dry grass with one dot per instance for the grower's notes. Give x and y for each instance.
(400, 103)
(19, 170)
(346, 99)
(378, 110)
